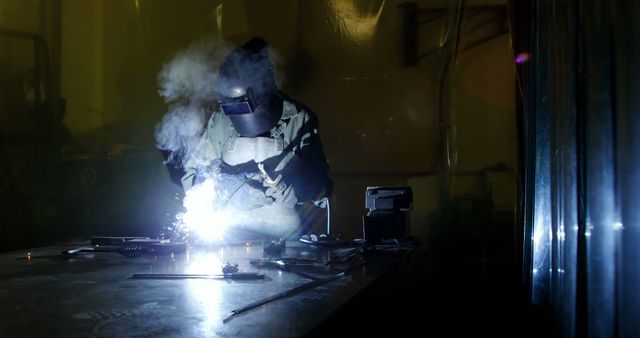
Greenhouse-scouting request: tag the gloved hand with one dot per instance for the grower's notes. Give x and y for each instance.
(281, 193)
(295, 172)
(240, 193)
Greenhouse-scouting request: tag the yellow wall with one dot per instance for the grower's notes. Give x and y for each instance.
(378, 119)
(82, 65)
(112, 51)
(16, 71)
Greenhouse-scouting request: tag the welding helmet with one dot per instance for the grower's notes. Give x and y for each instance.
(247, 91)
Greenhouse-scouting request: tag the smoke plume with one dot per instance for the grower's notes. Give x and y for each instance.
(187, 84)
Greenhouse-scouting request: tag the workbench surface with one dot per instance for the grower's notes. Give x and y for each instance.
(44, 293)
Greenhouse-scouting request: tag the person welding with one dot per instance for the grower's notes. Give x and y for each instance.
(262, 148)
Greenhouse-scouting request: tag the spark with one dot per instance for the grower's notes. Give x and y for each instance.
(201, 218)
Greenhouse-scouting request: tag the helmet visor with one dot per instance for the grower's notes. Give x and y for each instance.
(236, 108)
(238, 105)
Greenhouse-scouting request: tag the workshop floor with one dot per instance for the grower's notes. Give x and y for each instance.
(444, 292)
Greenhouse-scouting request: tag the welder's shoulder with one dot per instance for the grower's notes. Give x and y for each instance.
(218, 119)
(299, 111)
(219, 125)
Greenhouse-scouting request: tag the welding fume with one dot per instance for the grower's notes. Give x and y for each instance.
(247, 155)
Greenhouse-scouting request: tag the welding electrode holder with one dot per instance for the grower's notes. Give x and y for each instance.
(268, 180)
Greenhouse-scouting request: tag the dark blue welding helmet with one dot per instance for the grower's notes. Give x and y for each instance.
(247, 91)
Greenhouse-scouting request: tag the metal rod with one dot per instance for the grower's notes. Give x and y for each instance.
(284, 294)
(304, 287)
(237, 275)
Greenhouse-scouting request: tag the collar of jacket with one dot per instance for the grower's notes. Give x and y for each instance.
(288, 111)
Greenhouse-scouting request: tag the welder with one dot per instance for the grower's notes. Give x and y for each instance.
(261, 147)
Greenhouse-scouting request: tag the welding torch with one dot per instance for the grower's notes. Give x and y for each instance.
(268, 180)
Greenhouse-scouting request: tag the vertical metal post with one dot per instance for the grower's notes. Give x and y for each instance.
(410, 33)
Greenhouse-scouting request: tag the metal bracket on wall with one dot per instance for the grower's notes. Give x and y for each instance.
(493, 19)
(485, 24)
(410, 24)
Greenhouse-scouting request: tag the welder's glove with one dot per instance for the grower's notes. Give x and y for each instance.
(240, 192)
(282, 194)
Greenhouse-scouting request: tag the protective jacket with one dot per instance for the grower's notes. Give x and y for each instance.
(292, 155)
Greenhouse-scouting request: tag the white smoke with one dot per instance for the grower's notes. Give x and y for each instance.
(191, 74)
(187, 84)
(180, 128)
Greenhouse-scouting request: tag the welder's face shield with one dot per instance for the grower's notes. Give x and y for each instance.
(240, 104)
(250, 114)
(247, 91)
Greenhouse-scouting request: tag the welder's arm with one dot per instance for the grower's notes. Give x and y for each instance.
(316, 183)
(208, 150)
(304, 170)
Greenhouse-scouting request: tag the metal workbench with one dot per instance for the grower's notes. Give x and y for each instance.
(44, 293)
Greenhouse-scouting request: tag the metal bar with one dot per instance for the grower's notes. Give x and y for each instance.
(288, 265)
(541, 232)
(459, 20)
(284, 294)
(431, 19)
(374, 174)
(499, 21)
(429, 53)
(237, 275)
(305, 287)
(485, 40)
(92, 249)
